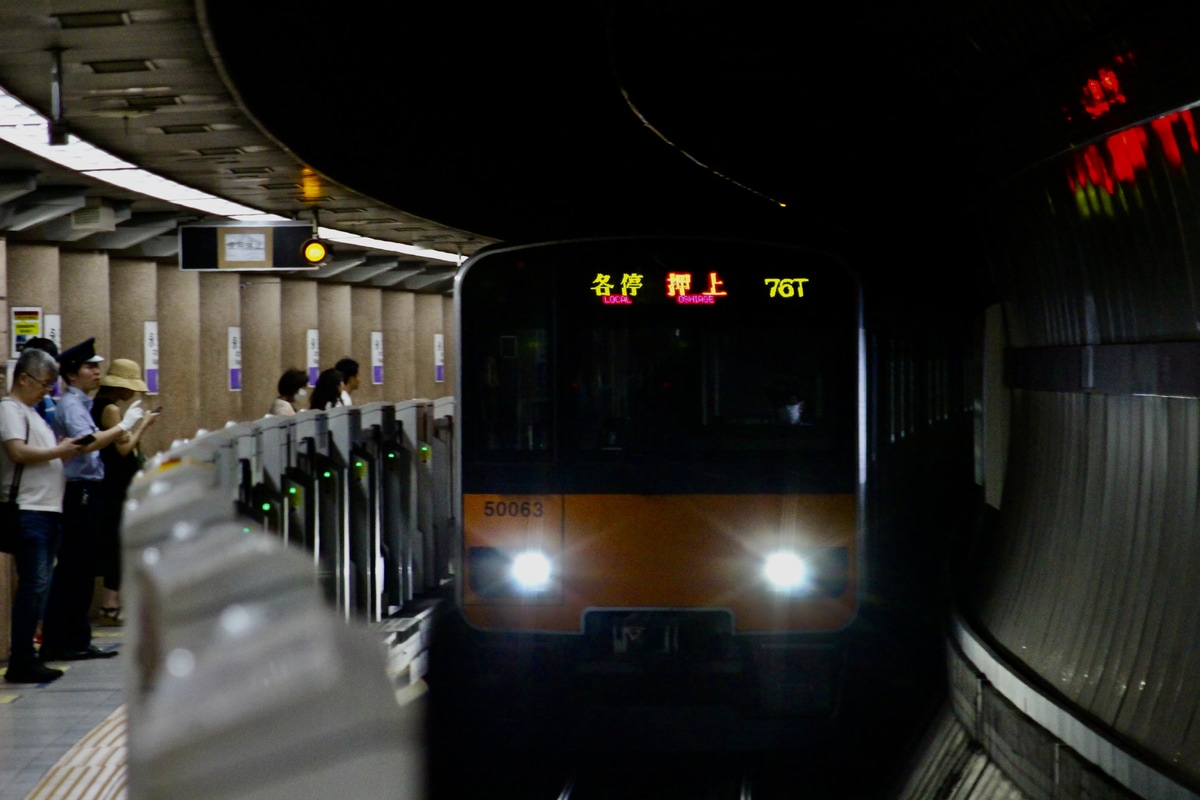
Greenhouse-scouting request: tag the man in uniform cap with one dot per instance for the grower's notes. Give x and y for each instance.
(78, 354)
(66, 631)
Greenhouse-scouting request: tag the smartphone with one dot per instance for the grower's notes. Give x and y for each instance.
(86, 440)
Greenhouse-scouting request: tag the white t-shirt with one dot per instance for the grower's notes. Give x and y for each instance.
(282, 408)
(42, 484)
(346, 401)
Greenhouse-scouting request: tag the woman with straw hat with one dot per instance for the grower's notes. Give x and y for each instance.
(122, 459)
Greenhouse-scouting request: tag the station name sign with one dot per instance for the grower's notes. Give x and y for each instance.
(244, 247)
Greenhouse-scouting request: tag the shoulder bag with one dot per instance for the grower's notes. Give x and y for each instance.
(10, 511)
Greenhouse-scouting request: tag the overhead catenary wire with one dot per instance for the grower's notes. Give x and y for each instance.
(637, 112)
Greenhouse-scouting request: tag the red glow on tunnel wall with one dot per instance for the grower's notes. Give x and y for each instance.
(1101, 93)
(1123, 154)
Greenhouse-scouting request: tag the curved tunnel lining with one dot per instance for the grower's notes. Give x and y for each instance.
(1090, 744)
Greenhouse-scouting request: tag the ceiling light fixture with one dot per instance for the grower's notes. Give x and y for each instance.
(92, 19)
(58, 122)
(23, 127)
(116, 66)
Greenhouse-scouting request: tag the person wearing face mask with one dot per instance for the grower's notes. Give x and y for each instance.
(291, 388)
(349, 369)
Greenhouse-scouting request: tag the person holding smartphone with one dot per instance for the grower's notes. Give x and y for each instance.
(31, 461)
(66, 631)
(122, 460)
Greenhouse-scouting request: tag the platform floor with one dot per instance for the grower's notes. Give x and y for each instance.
(66, 739)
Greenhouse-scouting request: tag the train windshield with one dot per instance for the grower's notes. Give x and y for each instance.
(659, 367)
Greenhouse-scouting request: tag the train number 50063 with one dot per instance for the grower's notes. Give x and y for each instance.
(512, 508)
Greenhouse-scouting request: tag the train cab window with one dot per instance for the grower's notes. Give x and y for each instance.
(659, 367)
(513, 395)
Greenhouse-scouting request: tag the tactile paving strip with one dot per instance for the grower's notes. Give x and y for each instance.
(94, 769)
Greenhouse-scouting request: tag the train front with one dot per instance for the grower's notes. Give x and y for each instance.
(661, 467)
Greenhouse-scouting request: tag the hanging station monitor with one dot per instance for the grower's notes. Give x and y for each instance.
(244, 247)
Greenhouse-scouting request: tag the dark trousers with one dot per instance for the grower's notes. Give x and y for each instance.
(65, 627)
(40, 532)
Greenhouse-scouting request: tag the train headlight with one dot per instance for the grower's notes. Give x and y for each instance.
(502, 573)
(809, 571)
(786, 572)
(531, 570)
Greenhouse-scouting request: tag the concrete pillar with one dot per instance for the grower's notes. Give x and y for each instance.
(262, 345)
(399, 342)
(366, 315)
(133, 300)
(33, 280)
(299, 314)
(428, 322)
(8, 573)
(333, 315)
(219, 311)
(178, 358)
(84, 290)
(450, 329)
(5, 333)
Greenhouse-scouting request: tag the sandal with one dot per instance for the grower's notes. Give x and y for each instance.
(110, 616)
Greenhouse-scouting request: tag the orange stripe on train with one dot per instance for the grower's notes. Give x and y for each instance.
(662, 551)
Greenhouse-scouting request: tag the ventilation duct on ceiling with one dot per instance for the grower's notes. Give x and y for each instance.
(95, 217)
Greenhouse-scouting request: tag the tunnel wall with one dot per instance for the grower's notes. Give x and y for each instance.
(1086, 576)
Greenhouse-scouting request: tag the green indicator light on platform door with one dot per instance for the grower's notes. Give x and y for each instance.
(391, 455)
(245, 530)
(328, 474)
(292, 490)
(266, 506)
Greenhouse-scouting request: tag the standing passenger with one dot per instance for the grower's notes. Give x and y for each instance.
(122, 460)
(349, 369)
(30, 446)
(66, 632)
(328, 391)
(291, 388)
(47, 405)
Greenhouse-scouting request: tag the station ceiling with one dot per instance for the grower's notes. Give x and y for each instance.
(532, 120)
(450, 127)
(141, 81)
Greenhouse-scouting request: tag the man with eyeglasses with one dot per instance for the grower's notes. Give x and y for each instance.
(66, 631)
(29, 443)
(46, 407)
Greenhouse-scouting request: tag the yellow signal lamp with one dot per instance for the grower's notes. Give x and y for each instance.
(314, 251)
